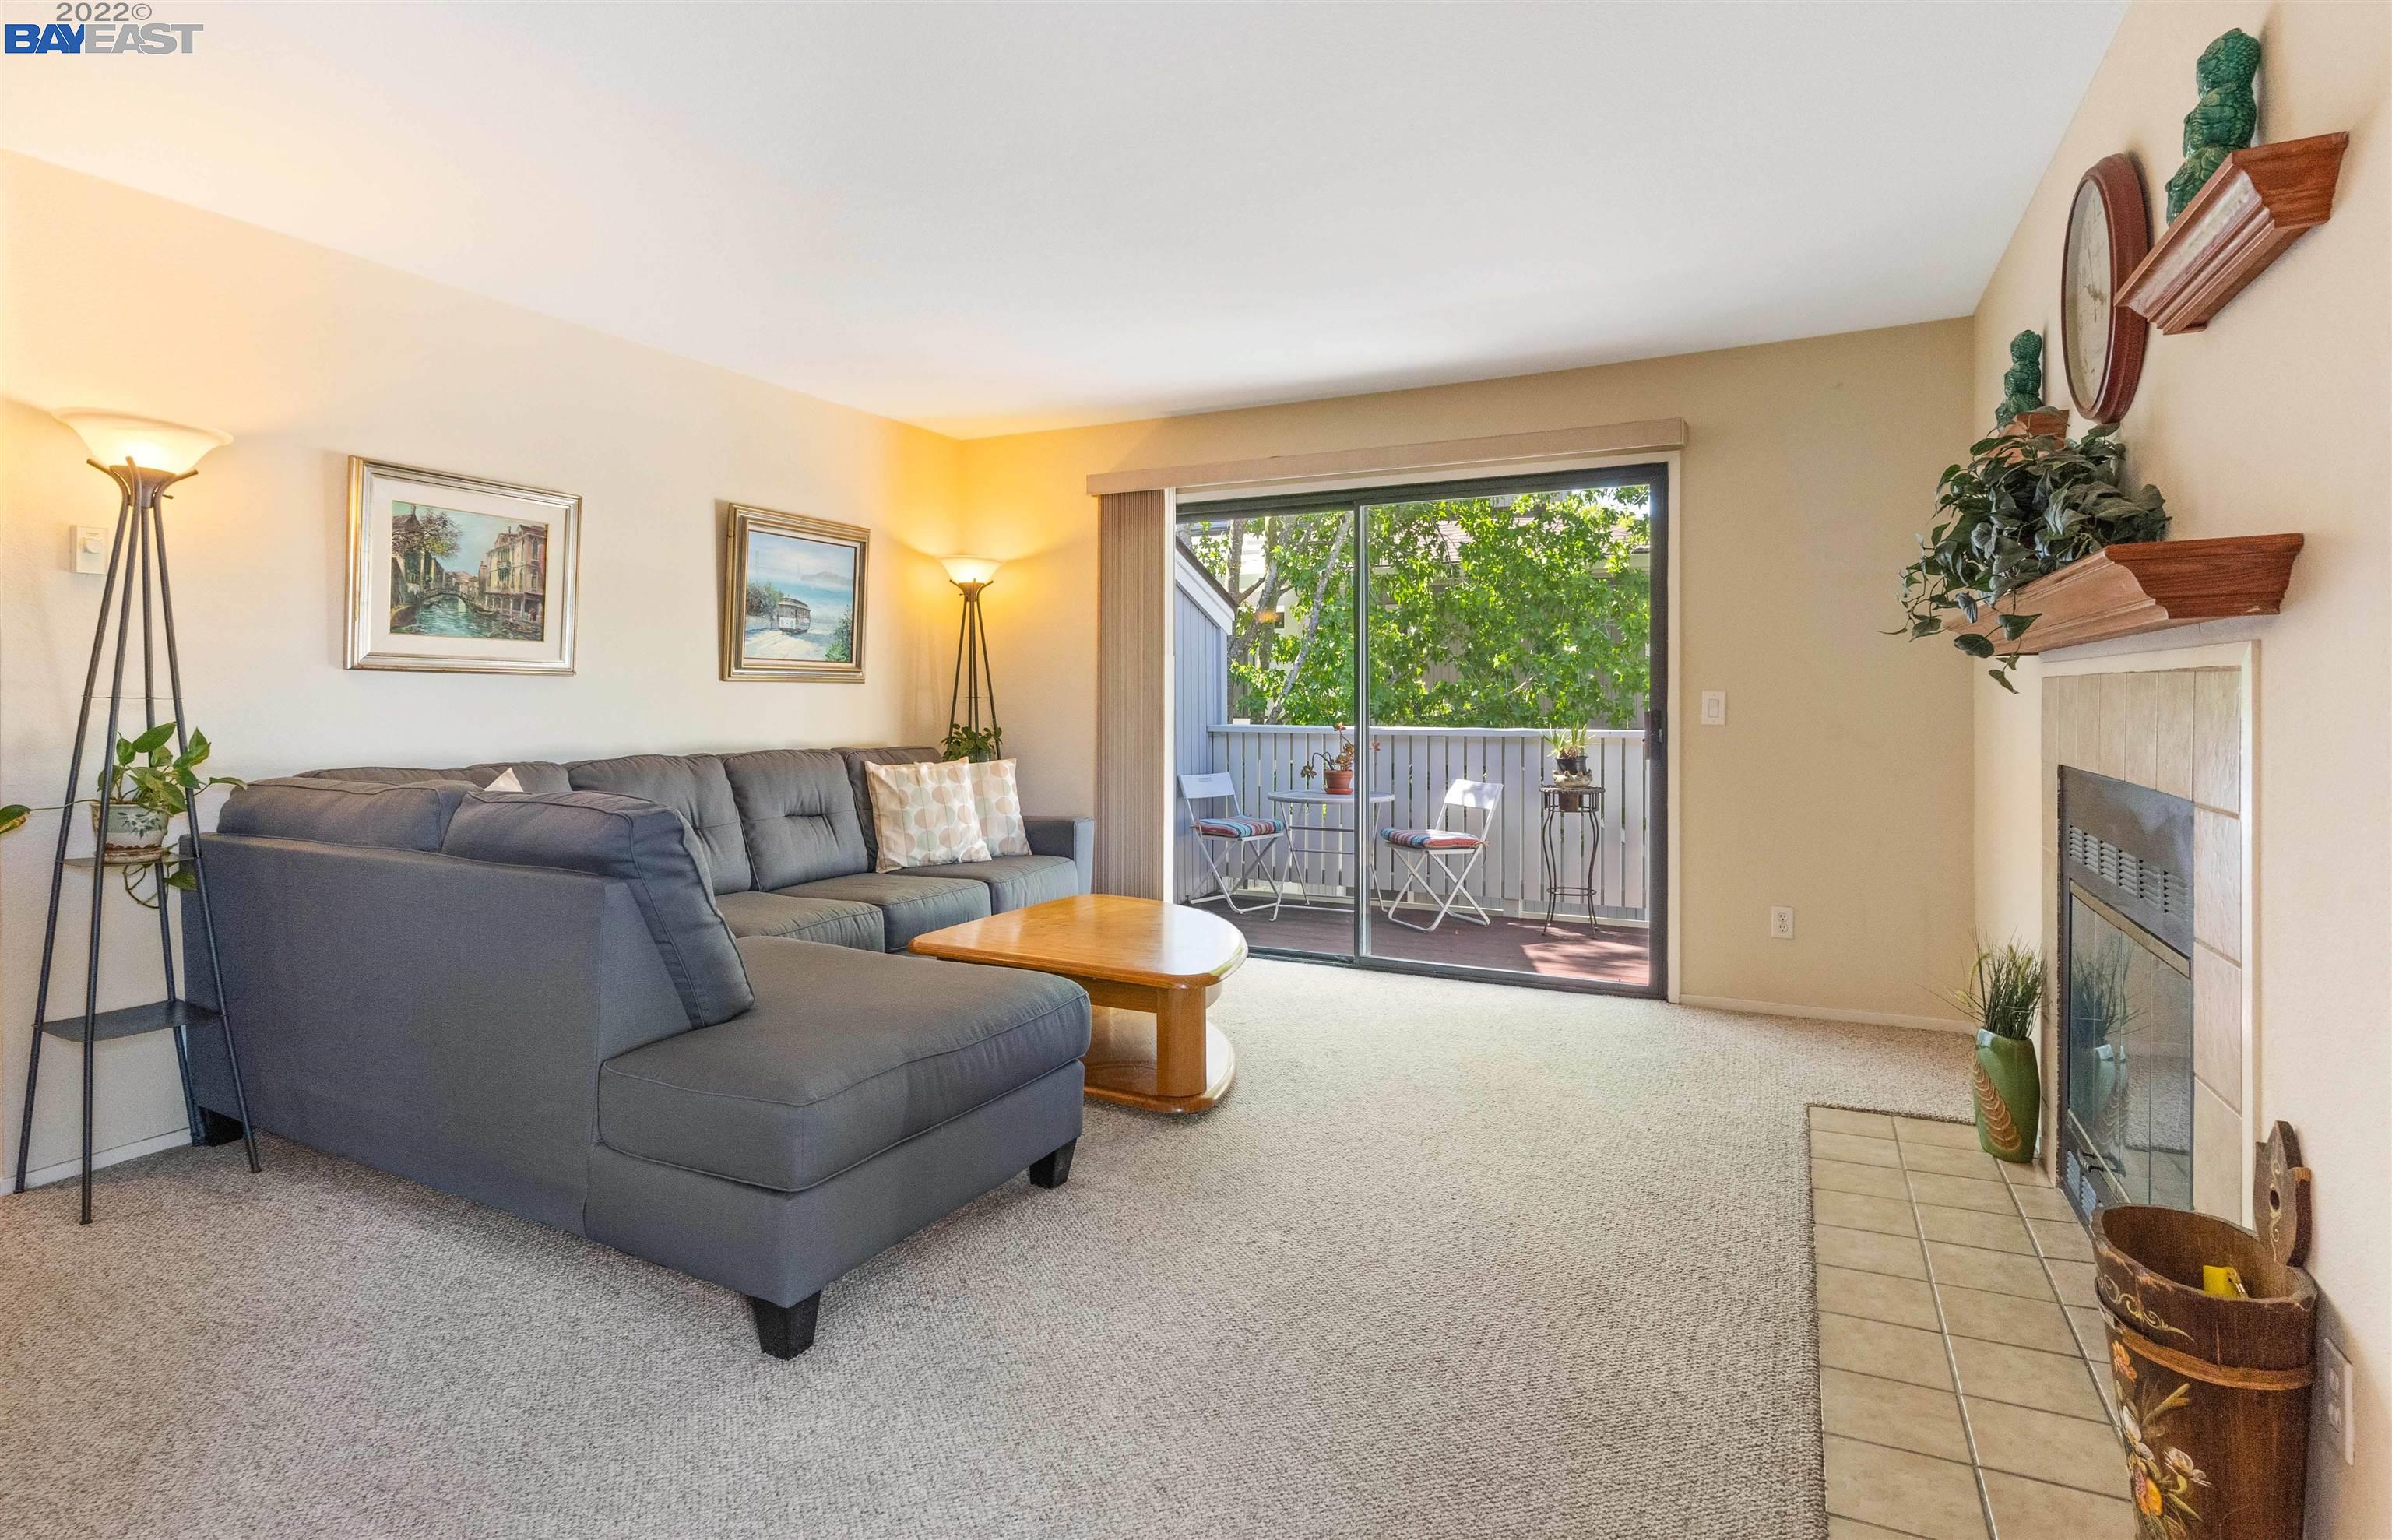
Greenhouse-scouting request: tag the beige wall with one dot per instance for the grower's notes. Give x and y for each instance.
(1840, 783)
(116, 299)
(2279, 417)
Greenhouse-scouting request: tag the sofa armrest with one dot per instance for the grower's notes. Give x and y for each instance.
(1063, 834)
(440, 1018)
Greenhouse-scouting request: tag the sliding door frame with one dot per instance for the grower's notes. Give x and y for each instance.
(1658, 471)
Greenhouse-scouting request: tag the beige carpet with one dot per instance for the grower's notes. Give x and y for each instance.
(1452, 1259)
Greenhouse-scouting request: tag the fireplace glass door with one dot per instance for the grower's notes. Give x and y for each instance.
(2129, 1113)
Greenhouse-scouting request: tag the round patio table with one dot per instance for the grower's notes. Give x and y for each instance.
(1308, 813)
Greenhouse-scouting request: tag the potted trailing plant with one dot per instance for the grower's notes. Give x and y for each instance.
(148, 785)
(977, 744)
(2003, 995)
(2024, 506)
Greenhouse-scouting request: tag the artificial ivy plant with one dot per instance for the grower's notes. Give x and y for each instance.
(2024, 506)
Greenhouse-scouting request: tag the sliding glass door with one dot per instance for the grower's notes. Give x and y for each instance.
(1264, 607)
(1443, 701)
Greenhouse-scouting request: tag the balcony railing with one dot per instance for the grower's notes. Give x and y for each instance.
(1416, 764)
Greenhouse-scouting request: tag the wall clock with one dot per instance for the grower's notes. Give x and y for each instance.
(2109, 231)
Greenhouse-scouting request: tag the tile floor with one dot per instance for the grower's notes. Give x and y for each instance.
(1957, 1342)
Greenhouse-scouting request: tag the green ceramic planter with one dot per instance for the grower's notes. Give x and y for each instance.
(2008, 1096)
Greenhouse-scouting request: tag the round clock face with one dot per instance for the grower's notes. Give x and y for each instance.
(2108, 233)
(2086, 301)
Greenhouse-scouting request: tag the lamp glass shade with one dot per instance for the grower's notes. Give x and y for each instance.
(972, 569)
(114, 438)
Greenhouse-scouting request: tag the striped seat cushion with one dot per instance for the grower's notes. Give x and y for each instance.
(1238, 828)
(1431, 839)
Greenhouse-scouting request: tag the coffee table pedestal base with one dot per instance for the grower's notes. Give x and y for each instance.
(1125, 1068)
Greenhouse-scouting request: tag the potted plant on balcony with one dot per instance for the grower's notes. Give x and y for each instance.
(2003, 995)
(1336, 770)
(2024, 506)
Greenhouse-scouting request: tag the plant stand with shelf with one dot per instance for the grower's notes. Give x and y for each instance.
(140, 545)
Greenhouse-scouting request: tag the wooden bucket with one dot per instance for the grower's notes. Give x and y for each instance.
(2213, 1393)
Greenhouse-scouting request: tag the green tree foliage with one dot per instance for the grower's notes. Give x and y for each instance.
(420, 539)
(1527, 610)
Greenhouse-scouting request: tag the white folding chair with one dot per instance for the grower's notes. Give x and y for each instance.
(1427, 855)
(1252, 836)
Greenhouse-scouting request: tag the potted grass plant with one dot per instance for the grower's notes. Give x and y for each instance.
(2003, 996)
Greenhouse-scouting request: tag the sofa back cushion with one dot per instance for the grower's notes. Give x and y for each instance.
(535, 775)
(861, 786)
(691, 785)
(629, 840)
(390, 816)
(799, 815)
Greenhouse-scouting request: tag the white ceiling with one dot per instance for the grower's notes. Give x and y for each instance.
(991, 218)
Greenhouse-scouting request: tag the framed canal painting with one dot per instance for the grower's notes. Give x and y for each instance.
(793, 597)
(456, 575)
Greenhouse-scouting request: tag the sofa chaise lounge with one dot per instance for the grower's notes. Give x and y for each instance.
(647, 1000)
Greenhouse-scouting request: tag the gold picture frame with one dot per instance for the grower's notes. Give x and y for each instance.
(793, 597)
(457, 575)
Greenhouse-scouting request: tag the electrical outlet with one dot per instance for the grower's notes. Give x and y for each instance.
(1781, 924)
(2334, 1389)
(86, 549)
(1715, 709)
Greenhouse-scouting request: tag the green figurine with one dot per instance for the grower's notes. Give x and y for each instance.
(2223, 121)
(2023, 383)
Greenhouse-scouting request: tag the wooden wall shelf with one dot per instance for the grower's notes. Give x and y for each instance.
(2150, 585)
(2261, 200)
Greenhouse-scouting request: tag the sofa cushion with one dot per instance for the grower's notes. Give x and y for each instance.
(996, 795)
(833, 922)
(634, 842)
(800, 814)
(861, 786)
(391, 816)
(691, 785)
(909, 905)
(924, 815)
(535, 775)
(845, 1054)
(1017, 882)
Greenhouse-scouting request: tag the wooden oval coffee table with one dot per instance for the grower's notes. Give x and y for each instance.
(1150, 969)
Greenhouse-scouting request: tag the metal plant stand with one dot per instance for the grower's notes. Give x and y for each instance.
(1557, 806)
(140, 541)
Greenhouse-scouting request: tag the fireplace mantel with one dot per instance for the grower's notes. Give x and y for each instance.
(2150, 585)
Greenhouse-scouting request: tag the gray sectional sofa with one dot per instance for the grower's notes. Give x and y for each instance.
(648, 1000)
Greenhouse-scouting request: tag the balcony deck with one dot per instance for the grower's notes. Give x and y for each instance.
(1612, 954)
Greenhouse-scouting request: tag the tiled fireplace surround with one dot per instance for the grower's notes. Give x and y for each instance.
(2178, 721)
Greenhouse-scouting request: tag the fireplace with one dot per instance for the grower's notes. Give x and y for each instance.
(2125, 995)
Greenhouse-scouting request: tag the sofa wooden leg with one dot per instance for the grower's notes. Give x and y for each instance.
(217, 1129)
(1054, 1168)
(785, 1331)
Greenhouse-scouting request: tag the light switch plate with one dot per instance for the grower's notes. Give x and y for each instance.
(1714, 708)
(2335, 1398)
(87, 548)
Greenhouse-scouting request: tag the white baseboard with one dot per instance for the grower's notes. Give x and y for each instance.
(41, 1176)
(1824, 1012)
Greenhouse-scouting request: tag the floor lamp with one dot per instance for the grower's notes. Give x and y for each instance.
(143, 457)
(973, 677)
